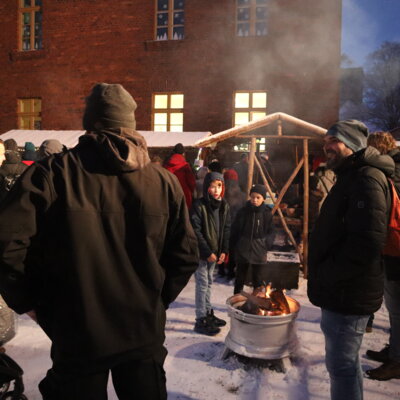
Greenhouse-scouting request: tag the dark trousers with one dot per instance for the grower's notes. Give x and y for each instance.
(132, 379)
(242, 272)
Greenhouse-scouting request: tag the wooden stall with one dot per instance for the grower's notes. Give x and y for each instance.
(285, 130)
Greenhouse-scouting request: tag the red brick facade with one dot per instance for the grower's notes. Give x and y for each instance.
(89, 41)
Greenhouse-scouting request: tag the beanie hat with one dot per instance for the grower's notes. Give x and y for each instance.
(29, 146)
(178, 149)
(109, 106)
(231, 174)
(11, 144)
(260, 189)
(215, 166)
(48, 147)
(351, 133)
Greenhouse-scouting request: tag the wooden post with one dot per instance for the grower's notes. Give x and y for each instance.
(283, 221)
(279, 127)
(305, 207)
(251, 165)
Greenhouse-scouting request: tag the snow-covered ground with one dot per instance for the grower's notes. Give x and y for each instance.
(194, 366)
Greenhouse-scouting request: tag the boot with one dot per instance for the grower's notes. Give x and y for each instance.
(205, 327)
(215, 320)
(388, 370)
(381, 356)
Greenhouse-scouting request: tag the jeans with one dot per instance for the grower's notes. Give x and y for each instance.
(204, 279)
(343, 337)
(392, 301)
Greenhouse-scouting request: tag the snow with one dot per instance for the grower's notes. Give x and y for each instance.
(196, 371)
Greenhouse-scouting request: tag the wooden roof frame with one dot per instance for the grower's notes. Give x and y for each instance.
(313, 132)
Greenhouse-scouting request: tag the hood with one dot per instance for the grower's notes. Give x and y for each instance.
(371, 157)
(175, 162)
(12, 157)
(395, 154)
(49, 147)
(123, 149)
(212, 176)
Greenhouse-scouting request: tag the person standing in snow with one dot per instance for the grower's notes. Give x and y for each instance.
(211, 223)
(345, 263)
(389, 355)
(98, 244)
(177, 165)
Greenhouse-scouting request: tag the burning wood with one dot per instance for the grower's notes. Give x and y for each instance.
(264, 301)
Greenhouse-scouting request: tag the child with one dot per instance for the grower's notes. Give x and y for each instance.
(251, 237)
(211, 223)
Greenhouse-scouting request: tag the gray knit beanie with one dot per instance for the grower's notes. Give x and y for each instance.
(351, 132)
(109, 106)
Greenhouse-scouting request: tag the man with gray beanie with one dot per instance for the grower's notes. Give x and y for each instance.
(96, 243)
(345, 267)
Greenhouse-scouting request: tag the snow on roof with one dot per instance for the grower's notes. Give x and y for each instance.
(70, 138)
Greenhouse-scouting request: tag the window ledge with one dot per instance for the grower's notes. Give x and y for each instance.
(163, 44)
(16, 55)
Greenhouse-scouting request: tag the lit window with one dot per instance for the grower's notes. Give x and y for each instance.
(251, 18)
(29, 113)
(30, 25)
(170, 19)
(168, 112)
(249, 106)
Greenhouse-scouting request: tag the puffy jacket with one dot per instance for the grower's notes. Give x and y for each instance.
(98, 242)
(345, 262)
(177, 165)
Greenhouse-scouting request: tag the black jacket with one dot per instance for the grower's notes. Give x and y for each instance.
(345, 263)
(98, 241)
(204, 226)
(252, 234)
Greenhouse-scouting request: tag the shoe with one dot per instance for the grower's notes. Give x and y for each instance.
(381, 356)
(388, 370)
(215, 320)
(205, 327)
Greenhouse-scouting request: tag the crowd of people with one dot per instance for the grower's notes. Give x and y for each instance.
(98, 241)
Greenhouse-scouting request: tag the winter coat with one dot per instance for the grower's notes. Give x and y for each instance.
(98, 242)
(202, 216)
(181, 169)
(392, 264)
(345, 263)
(242, 169)
(234, 196)
(252, 234)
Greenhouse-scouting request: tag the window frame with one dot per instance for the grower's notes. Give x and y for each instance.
(167, 110)
(31, 10)
(170, 26)
(253, 18)
(32, 115)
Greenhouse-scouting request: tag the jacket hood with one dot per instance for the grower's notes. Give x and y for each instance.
(395, 154)
(12, 157)
(123, 149)
(175, 162)
(49, 147)
(212, 176)
(371, 157)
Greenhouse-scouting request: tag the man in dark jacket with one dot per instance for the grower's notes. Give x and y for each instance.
(345, 264)
(96, 243)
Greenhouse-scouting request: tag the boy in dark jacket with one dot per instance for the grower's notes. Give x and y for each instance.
(211, 223)
(251, 237)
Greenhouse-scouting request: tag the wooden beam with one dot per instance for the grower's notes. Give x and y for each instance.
(287, 184)
(283, 221)
(277, 137)
(305, 207)
(250, 171)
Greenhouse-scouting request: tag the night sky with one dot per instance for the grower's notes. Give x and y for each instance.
(367, 24)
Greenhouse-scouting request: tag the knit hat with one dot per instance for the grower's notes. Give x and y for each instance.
(109, 106)
(29, 146)
(178, 149)
(231, 174)
(260, 189)
(351, 132)
(48, 147)
(11, 144)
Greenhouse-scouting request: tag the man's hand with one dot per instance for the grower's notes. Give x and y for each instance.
(212, 258)
(32, 314)
(221, 258)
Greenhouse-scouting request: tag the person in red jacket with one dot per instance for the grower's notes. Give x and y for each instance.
(178, 165)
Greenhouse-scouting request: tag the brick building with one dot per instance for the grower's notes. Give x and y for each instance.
(192, 65)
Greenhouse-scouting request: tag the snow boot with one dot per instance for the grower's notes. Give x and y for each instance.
(215, 320)
(381, 356)
(205, 327)
(388, 370)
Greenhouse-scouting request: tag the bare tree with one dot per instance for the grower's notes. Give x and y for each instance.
(382, 87)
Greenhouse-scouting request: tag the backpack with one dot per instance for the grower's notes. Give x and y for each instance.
(392, 246)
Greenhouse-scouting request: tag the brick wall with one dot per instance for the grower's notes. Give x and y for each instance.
(89, 41)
